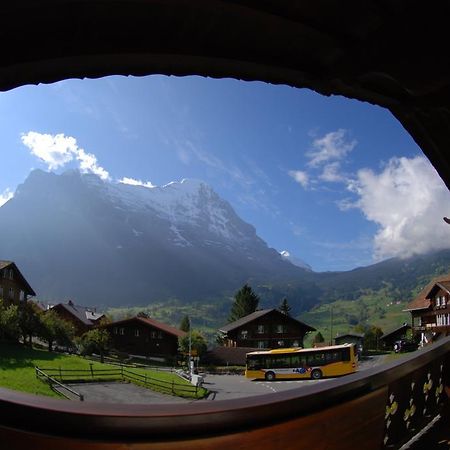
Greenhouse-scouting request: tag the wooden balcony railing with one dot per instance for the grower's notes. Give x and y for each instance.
(382, 407)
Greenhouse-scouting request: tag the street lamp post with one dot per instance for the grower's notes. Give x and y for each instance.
(190, 348)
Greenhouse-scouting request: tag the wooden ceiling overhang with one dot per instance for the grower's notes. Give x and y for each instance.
(389, 53)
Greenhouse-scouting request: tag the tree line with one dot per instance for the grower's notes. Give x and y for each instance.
(27, 321)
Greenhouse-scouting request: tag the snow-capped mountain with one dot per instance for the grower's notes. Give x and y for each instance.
(288, 256)
(108, 243)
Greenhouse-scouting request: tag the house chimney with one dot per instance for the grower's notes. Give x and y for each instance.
(70, 303)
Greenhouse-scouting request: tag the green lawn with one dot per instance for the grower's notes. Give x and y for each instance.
(17, 369)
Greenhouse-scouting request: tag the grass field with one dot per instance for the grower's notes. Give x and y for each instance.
(344, 315)
(17, 369)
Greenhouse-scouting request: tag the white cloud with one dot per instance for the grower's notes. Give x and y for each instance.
(407, 200)
(331, 173)
(5, 196)
(300, 177)
(57, 150)
(331, 147)
(134, 182)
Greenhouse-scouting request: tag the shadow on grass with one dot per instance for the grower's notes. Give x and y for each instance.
(16, 356)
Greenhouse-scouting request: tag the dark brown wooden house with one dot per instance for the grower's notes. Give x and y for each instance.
(144, 336)
(267, 328)
(14, 288)
(83, 318)
(430, 310)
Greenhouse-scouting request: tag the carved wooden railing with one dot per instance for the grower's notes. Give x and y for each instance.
(382, 407)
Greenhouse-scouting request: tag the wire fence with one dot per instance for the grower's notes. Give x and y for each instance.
(58, 376)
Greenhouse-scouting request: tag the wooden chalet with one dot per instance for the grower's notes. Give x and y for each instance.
(351, 338)
(389, 339)
(83, 318)
(266, 328)
(144, 336)
(14, 288)
(430, 310)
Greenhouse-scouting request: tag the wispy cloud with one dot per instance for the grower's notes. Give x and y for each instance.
(134, 182)
(6, 195)
(334, 146)
(58, 150)
(300, 177)
(327, 155)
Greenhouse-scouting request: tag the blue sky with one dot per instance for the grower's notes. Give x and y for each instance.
(336, 182)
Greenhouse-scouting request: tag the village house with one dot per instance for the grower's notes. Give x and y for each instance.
(14, 288)
(81, 317)
(267, 328)
(430, 310)
(144, 336)
(395, 338)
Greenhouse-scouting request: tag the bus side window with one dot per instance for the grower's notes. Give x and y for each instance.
(295, 361)
(346, 354)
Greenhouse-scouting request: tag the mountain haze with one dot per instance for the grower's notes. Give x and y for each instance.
(112, 244)
(76, 236)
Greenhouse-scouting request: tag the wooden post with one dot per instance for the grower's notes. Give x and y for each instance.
(60, 374)
(92, 369)
(173, 390)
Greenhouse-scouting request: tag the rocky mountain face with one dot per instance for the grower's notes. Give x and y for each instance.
(110, 244)
(76, 236)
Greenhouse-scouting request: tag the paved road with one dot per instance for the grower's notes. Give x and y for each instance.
(117, 392)
(222, 387)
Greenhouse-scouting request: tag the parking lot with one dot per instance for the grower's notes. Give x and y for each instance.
(221, 387)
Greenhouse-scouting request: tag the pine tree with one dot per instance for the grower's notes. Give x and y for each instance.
(245, 303)
(284, 307)
(185, 324)
(318, 338)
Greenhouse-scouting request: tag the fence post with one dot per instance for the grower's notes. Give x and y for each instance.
(92, 370)
(173, 390)
(145, 379)
(121, 372)
(81, 398)
(60, 373)
(36, 371)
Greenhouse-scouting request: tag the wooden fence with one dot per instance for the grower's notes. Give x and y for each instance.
(121, 373)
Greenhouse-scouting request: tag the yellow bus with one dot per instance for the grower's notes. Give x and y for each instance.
(293, 363)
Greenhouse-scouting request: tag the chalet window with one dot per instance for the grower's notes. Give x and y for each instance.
(122, 331)
(11, 293)
(261, 344)
(115, 330)
(295, 344)
(136, 332)
(280, 343)
(280, 328)
(261, 330)
(1, 292)
(244, 334)
(22, 296)
(438, 301)
(443, 301)
(160, 335)
(153, 334)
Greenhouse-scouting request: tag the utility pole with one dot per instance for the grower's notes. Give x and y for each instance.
(190, 348)
(331, 324)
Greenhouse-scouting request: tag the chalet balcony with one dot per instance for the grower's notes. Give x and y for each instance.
(380, 408)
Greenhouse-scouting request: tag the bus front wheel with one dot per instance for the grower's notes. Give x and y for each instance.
(270, 376)
(316, 374)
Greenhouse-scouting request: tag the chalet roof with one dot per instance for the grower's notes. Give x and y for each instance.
(256, 315)
(150, 322)
(84, 314)
(27, 288)
(397, 330)
(351, 334)
(422, 301)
